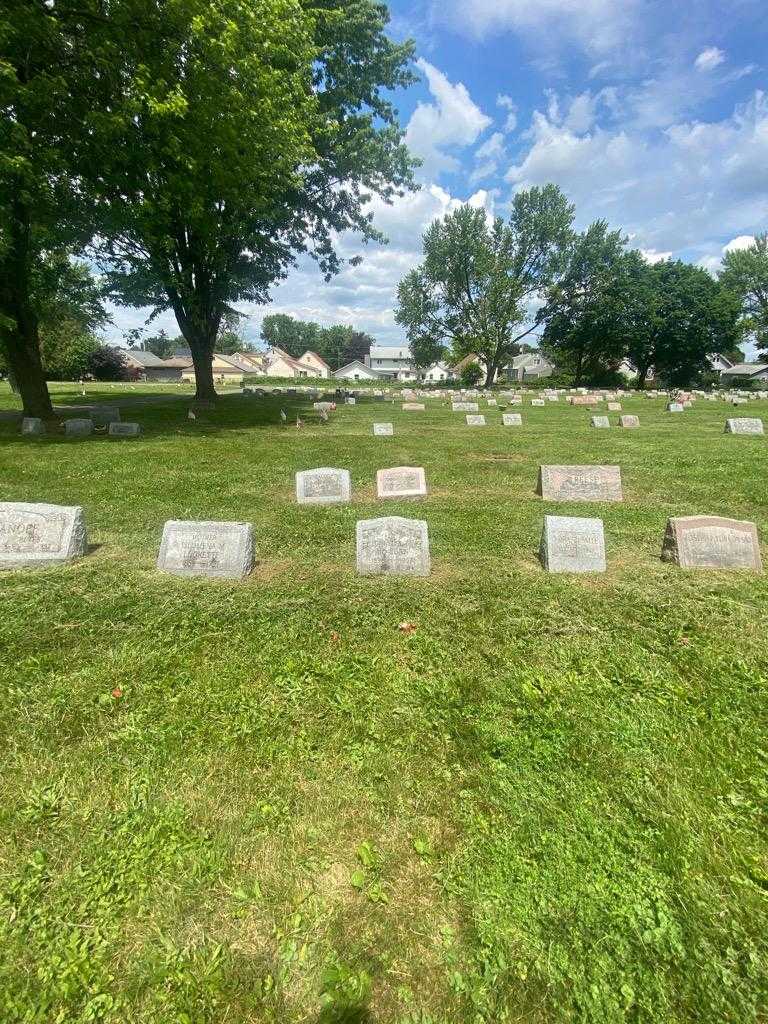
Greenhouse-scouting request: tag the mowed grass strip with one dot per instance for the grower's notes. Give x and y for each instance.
(544, 803)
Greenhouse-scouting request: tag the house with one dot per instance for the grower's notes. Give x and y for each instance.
(469, 360)
(437, 373)
(147, 366)
(279, 364)
(253, 360)
(356, 370)
(392, 361)
(744, 373)
(226, 370)
(719, 363)
(530, 366)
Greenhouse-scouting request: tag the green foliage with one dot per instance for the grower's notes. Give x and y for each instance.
(160, 344)
(745, 273)
(476, 282)
(471, 375)
(106, 363)
(337, 345)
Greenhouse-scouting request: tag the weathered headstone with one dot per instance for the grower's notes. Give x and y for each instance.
(744, 425)
(39, 534)
(600, 421)
(515, 400)
(492, 402)
(32, 425)
(323, 406)
(103, 415)
(538, 401)
(711, 542)
(324, 486)
(674, 407)
(124, 430)
(393, 546)
(401, 482)
(614, 407)
(465, 407)
(223, 550)
(572, 544)
(351, 401)
(580, 483)
(475, 421)
(629, 421)
(383, 430)
(413, 407)
(511, 419)
(78, 428)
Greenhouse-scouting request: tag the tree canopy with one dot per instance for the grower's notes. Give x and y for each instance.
(475, 288)
(337, 345)
(745, 273)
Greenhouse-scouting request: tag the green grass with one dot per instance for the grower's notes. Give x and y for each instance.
(544, 804)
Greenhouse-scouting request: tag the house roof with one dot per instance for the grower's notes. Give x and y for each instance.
(295, 363)
(745, 369)
(320, 359)
(362, 365)
(526, 358)
(466, 361)
(143, 358)
(235, 362)
(390, 352)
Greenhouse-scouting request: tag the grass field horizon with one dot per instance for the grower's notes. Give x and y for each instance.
(542, 800)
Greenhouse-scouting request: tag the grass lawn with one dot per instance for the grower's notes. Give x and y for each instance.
(546, 803)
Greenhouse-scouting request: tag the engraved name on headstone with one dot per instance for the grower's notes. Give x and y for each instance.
(383, 430)
(465, 407)
(401, 482)
(324, 486)
(393, 546)
(222, 550)
(572, 544)
(538, 401)
(600, 421)
(78, 428)
(629, 421)
(475, 421)
(674, 406)
(511, 419)
(39, 534)
(744, 425)
(711, 542)
(32, 425)
(124, 429)
(580, 483)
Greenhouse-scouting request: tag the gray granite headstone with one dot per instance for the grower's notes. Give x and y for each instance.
(674, 407)
(39, 534)
(711, 542)
(124, 429)
(401, 482)
(223, 550)
(351, 401)
(475, 421)
(32, 425)
(629, 421)
(511, 419)
(413, 407)
(78, 427)
(393, 546)
(580, 483)
(572, 544)
(614, 407)
(538, 401)
(492, 402)
(383, 430)
(103, 415)
(744, 425)
(324, 486)
(465, 407)
(515, 400)
(600, 421)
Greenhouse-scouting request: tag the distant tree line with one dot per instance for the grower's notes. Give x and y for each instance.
(337, 345)
(485, 285)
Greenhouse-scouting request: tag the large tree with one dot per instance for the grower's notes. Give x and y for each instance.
(278, 330)
(71, 313)
(585, 309)
(247, 133)
(56, 69)
(480, 277)
(745, 273)
(677, 316)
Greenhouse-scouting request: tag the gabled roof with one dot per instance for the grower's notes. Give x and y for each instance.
(235, 362)
(142, 357)
(745, 369)
(466, 361)
(390, 352)
(295, 363)
(320, 359)
(362, 365)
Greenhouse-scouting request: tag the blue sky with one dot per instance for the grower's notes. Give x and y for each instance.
(651, 115)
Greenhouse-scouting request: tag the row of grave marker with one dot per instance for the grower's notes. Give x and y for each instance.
(40, 534)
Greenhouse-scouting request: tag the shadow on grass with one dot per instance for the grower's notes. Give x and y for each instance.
(351, 1013)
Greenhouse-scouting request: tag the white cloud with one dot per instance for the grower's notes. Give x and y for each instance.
(508, 104)
(741, 242)
(452, 121)
(652, 256)
(709, 59)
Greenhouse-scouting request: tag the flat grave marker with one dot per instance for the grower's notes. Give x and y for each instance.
(383, 430)
(216, 549)
(465, 407)
(78, 427)
(116, 429)
(393, 546)
(744, 425)
(614, 407)
(572, 544)
(475, 421)
(323, 486)
(601, 422)
(629, 422)
(413, 407)
(511, 419)
(37, 534)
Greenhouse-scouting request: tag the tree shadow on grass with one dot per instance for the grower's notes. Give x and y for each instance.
(351, 1013)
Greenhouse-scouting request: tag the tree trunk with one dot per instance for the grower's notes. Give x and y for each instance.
(642, 373)
(490, 375)
(20, 332)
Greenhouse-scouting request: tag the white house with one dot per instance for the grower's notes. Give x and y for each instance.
(744, 373)
(395, 362)
(437, 373)
(356, 370)
(280, 364)
(529, 366)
